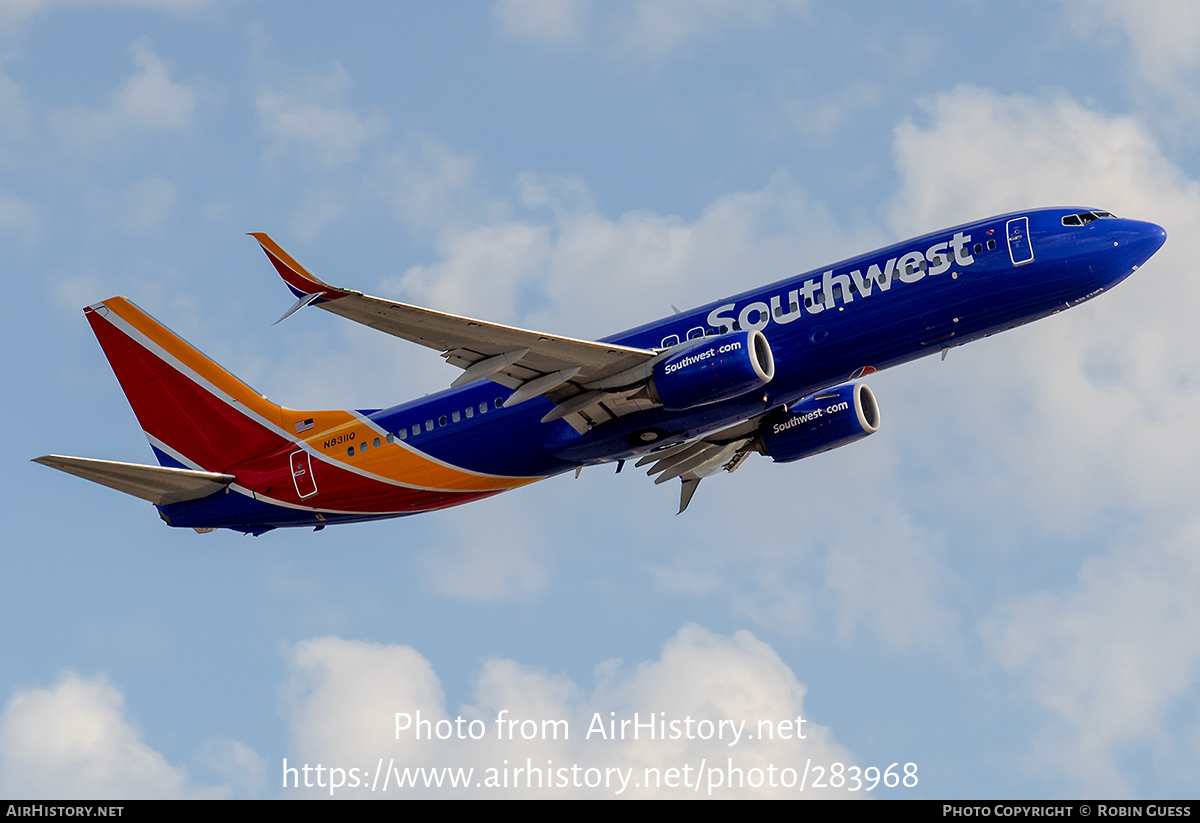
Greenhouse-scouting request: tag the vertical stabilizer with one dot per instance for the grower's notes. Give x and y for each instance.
(196, 414)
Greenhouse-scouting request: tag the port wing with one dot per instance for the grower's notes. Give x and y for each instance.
(589, 382)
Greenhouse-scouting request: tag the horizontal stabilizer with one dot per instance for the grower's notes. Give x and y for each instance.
(160, 485)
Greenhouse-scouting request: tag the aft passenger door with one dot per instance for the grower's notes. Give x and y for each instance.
(302, 476)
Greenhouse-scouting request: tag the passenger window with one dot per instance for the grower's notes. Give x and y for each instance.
(498, 402)
(668, 342)
(391, 438)
(442, 420)
(376, 443)
(428, 425)
(483, 408)
(416, 429)
(455, 417)
(350, 451)
(695, 334)
(404, 433)
(991, 245)
(470, 412)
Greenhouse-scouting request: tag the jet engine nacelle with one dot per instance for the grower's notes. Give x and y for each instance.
(819, 422)
(711, 369)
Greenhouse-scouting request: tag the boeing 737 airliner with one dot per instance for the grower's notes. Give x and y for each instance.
(772, 371)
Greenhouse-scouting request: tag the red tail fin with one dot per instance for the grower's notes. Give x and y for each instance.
(195, 413)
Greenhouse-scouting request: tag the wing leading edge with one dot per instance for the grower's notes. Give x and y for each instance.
(589, 382)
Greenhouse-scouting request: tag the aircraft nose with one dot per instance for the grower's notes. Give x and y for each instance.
(1141, 240)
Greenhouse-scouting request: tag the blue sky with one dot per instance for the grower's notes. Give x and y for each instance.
(999, 586)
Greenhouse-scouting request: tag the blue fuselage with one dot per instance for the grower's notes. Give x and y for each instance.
(825, 327)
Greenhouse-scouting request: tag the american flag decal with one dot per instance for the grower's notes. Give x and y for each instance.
(304, 425)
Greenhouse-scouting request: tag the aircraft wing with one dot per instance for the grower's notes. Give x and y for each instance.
(590, 382)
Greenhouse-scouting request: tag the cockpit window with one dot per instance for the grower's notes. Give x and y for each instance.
(1085, 217)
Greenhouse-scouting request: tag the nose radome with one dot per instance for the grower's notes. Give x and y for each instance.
(1152, 234)
(1144, 240)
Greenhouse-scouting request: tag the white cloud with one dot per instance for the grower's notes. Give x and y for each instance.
(701, 674)
(483, 272)
(550, 22)
(15, 124)
(18, 218)
(340, 159)
(315, 125)
(148, 102)
(824, 117)
(72, 292)
(579, 272)
(428, 184)
(1162, 33)
(646, 29)
(659, 27)
(318, 207)
(985, 153)
(836, 551)
(345, 695)
(15, 12)
(495, 551)
(1107, 373)
(1112, 660)
(73, 740)
(236, 763)
(1087, 425)
(889, 583)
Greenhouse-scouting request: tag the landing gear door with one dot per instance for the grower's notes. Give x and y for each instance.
(302, 475)
(1019, 248)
